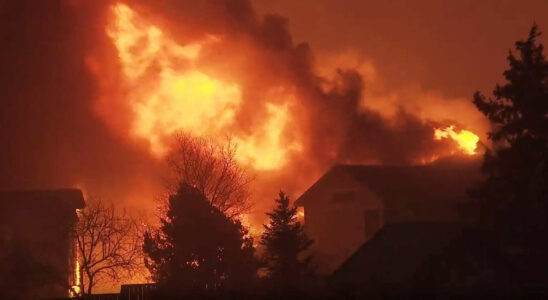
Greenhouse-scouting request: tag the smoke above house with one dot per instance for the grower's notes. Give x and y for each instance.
(214, 69)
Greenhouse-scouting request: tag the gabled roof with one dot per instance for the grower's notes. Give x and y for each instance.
(444, 179)
(393, 256)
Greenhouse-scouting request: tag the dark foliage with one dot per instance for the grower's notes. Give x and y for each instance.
(198, 250)
(285, 240)
(506, 254)
(514, 194)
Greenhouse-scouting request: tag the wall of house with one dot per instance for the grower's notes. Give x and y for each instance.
(41, 231)
(335, 218)
(411, 210)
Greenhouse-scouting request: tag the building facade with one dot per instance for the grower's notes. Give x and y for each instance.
(350, 203)
(36, 247)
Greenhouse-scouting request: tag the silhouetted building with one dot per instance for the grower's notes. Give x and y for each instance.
(350, 203)
(36, 245)
(390, 262)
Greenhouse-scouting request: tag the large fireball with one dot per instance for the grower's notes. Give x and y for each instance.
(168, 92)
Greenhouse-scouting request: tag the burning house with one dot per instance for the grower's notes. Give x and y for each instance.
(349, 204)
(35, 242)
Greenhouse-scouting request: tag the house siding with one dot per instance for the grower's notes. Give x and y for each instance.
(326, 219)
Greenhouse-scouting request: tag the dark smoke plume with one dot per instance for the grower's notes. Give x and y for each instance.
(51, 135)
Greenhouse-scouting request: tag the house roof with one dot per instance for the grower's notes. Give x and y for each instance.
(444, 179)
(393, 256)
(66, 198)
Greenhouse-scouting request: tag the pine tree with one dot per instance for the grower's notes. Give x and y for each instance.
(284, 240)
(198, 249)
(515, 191)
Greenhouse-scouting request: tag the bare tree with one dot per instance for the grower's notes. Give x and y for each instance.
(108, 245)
(213, 170)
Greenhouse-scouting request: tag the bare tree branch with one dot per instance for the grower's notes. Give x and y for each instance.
(109, 245)
(213, 170)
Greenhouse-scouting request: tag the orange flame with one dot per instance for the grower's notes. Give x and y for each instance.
(300, 214)
(466, 140)
(168, 92)
(75, 288)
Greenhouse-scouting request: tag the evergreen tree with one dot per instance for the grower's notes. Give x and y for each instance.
(285, 240)
(198, 249)
(514, 193)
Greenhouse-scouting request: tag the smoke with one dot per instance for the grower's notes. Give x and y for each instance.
(49, 134)
(68, 118)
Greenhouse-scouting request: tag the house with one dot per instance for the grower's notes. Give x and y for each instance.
(36, 248)
(350, 203)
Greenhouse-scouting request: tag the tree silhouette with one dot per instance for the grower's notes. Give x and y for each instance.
(198, 249)
(213, 170)
(108, 245)
(285, 240)
(515, 189)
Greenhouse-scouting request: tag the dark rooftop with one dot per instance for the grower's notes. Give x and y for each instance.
(444, 179)
(393, 256)
(69, 198)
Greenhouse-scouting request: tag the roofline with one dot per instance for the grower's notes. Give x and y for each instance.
(74, 195)
(299, 199)
(442, 161)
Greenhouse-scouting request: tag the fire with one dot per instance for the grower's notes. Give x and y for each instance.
(261, 142)
(168, 92)
(254, 231)
(466, 140)
(300, 213)
(75, 288)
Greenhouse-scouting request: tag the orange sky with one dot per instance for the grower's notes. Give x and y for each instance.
(456, 47)
(427, 56)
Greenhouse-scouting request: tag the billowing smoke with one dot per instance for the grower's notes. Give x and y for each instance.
(49, 134)
(88, 93)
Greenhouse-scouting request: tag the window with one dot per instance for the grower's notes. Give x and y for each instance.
(372, 218)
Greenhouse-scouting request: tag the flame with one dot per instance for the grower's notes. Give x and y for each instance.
(168, 92)
(261, 142)
(75, 288)
(254, 230)
(300, 214)
(466, 140)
